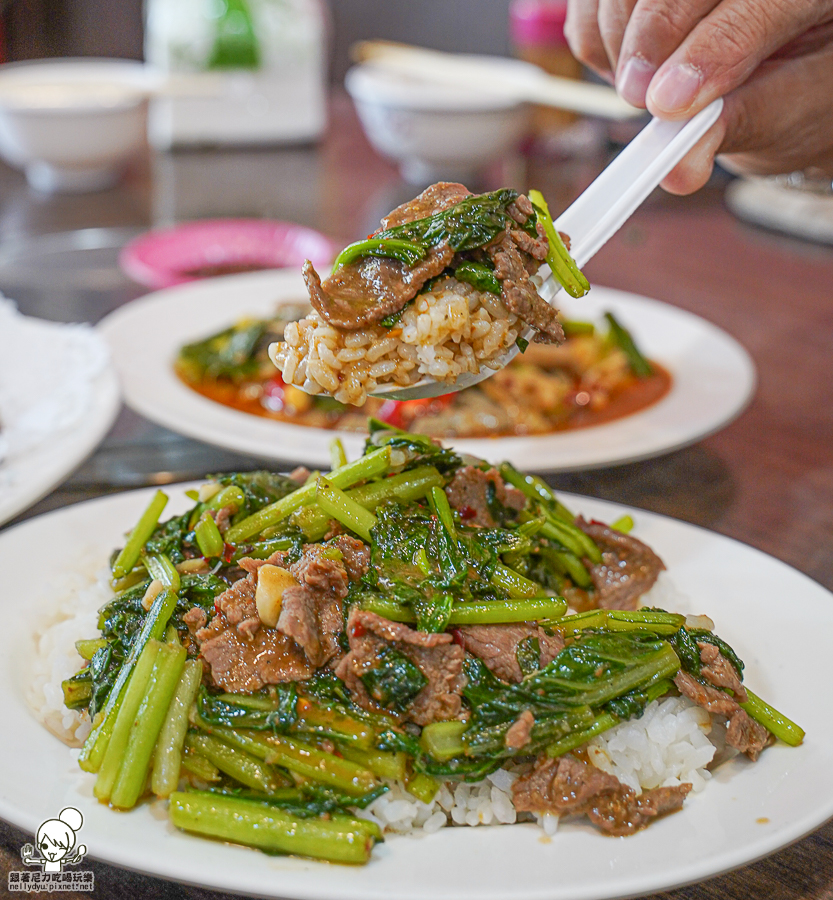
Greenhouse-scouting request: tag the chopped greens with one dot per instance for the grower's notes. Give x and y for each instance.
(394, 681)
(178, 680)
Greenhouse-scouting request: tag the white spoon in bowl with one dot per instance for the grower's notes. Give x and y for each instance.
(592, 220)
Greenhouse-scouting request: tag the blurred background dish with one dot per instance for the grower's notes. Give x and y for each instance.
(72, 125)
(792, 204)
(435, 132)
(714, 378)
(445, 116)
(211, 247)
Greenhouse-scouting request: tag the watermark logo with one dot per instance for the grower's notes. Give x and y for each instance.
(56, 848)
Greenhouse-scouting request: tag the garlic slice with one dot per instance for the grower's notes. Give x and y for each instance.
(272, 581)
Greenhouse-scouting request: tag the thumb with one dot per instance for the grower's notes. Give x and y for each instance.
(694, 170)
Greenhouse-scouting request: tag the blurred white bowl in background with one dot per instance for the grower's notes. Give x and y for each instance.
(435, 132)
(73, 124)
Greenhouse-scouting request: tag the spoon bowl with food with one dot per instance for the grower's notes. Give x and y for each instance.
(454, 285)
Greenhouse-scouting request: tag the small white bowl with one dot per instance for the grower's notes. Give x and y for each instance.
(73, 124)
(435, 132)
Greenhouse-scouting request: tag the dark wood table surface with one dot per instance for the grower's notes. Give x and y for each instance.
(766, 479)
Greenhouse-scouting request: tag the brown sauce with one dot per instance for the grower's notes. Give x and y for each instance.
(634, 396)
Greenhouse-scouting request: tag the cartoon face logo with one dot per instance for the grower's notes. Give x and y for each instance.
(56, 841)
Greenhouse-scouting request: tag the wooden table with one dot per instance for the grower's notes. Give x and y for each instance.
(766, 479)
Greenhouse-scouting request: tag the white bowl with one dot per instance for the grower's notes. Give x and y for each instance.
(435, 132)
(72, 124)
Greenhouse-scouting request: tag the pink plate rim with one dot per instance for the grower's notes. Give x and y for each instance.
(164, 257)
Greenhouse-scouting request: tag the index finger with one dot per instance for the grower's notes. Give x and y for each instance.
(724, 48)
(655, 29)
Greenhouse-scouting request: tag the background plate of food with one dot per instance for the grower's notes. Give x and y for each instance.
(746, 810)
(556, 409)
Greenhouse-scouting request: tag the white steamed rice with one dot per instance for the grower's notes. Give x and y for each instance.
(669, 745)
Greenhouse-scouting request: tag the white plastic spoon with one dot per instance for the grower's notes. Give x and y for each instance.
(592, 220)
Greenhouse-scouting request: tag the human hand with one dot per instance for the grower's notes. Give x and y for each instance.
(772, 61)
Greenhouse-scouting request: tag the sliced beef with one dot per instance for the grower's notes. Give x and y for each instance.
(237, 604)
(245, 665)
(244, 654)
(746, 735)
(743, 733)
(521, 209)
(195, 619)
(519, 294)
(709, 698)
(569, 786)
(312, 613)
(468, 492)
(241, 655)
(717, 670)
(497, 646)
(355, 555)
(563, 785)
(365, 291)
(432, 200)
(520, 731)
(623, 813)
(628, 568)
(439, 660)
(536, 247)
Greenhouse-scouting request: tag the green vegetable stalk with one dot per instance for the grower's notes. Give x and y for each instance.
(270, 828)
(563, 266)
(145, 527)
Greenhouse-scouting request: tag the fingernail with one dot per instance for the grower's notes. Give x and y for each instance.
(676, 89)
(633, 80)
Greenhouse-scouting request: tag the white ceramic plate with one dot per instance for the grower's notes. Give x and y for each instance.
(779, 621)
(714, 378)
(30, 476)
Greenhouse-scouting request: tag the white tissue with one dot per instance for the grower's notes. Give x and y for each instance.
(47, 376)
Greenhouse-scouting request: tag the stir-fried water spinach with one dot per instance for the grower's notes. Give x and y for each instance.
(389, 572)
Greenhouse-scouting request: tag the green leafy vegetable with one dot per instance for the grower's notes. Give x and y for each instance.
(394, 681)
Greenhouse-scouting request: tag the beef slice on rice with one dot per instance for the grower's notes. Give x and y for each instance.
(518, 293)
(742, 732)
(569, 786)
(365, 291)
(438, 659)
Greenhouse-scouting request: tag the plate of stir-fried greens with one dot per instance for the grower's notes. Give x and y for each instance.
(347, 667)
(713, 380)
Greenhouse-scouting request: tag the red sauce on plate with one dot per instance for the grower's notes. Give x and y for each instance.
(634, 396)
